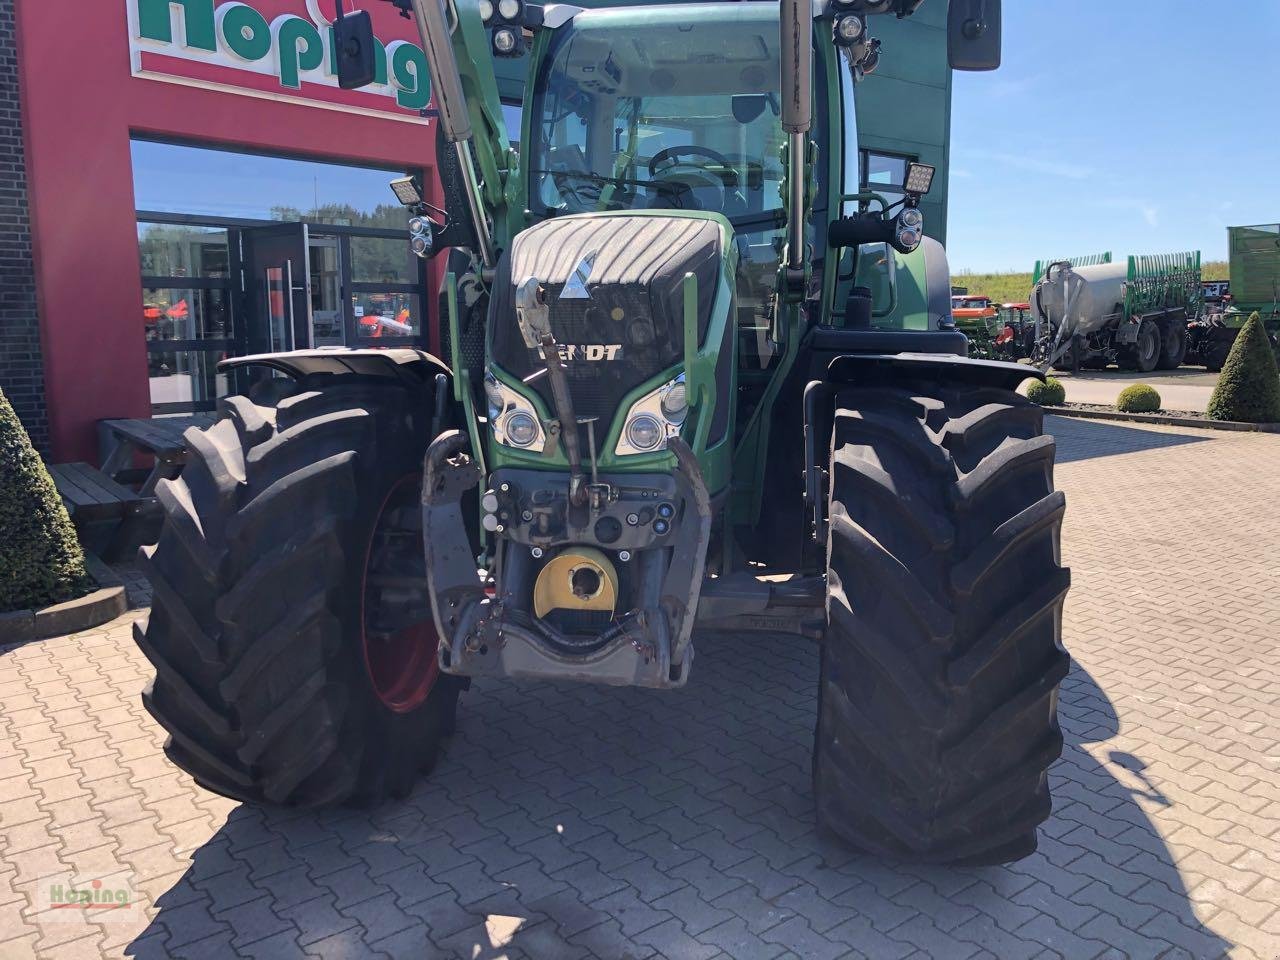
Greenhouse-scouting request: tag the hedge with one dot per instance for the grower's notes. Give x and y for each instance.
(1138, 398)
(1248, 388)
(1049, 393)
(41, 562)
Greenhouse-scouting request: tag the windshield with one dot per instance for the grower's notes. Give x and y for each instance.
(661, 109)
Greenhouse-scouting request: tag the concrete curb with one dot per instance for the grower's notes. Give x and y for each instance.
(84, 613)
(1159, 418)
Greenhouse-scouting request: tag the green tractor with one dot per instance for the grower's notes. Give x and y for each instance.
(697, 383)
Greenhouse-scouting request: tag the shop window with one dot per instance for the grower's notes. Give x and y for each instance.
(174, 178)
(246, 253)
(184, 380)
(174, 313)
(376, 260)
(186, 312)
(172, 250)
(381, 316)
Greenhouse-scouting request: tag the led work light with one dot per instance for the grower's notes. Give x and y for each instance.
(919, 180)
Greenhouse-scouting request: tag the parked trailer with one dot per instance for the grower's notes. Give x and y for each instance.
(1255, 278)
(1133, 314)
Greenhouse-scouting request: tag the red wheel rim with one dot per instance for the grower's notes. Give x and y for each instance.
(397, 634)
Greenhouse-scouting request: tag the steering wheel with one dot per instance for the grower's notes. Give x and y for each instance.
(693, 150)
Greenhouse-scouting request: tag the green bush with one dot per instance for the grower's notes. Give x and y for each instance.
(1050, 393)
(1249, 386)
(1138, 398)
(40, 558)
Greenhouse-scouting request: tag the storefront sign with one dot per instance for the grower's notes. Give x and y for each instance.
(275, 49)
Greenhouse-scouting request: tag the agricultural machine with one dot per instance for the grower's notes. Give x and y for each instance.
(1093, 312)
(1004, 332)
(695, 377)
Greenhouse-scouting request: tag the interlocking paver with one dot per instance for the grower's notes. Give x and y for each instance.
(699, 840)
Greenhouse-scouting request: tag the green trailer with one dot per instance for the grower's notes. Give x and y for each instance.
(1255, 275)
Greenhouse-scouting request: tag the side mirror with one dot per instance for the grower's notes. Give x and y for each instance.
(973, 34)
(354, 49)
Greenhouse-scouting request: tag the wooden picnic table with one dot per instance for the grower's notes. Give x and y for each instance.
(161, 437)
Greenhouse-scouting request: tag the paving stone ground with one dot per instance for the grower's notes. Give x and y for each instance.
(572, 821)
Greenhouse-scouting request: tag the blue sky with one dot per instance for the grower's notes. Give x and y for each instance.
(1127, 125)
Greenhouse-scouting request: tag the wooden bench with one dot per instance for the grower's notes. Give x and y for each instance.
(105, 513)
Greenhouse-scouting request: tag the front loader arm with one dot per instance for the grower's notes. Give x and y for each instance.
(465, 94)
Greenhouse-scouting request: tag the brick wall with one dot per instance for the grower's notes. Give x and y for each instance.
(21, 367)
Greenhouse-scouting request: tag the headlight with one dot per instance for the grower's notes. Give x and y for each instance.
(493, 393)
(675, 401)
(644, 432)
(486, 10)
(512, 417)
(521, 428)
(654, 418)
(509, 9)
(912, 217)
(909, 238)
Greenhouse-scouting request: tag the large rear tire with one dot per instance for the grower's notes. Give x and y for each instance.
(1173, 345)
(1146, 351)
(941, 663)
(290, 632)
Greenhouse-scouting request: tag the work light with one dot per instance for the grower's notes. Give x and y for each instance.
(509, 9)
(407, 190)
(849, 29)
(919, 179)
(486, 10)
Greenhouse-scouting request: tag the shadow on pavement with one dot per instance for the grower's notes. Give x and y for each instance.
(572, 821)
(1080, 439)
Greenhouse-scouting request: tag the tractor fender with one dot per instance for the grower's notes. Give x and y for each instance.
(403, 364)
(869, 369)
(860, 368)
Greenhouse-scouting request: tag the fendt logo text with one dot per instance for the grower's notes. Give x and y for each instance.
(586, 351)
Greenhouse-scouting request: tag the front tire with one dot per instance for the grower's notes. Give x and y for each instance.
(273, 601)
(941, 663)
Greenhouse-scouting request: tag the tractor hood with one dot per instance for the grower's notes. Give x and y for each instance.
(614, 289)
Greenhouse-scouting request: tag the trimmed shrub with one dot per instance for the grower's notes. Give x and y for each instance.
(1050, 393)
(1138, 398)
(1249, 386)
(40, 558)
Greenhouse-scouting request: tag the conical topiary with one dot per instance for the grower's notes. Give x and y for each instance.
(1249, 386)
(40, 558)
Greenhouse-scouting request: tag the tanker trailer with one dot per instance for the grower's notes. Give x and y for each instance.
(1132, 314)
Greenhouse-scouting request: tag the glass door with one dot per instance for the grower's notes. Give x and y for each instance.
(327, 315)
(278, 288)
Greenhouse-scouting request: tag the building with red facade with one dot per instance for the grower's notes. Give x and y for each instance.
(182, 180)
